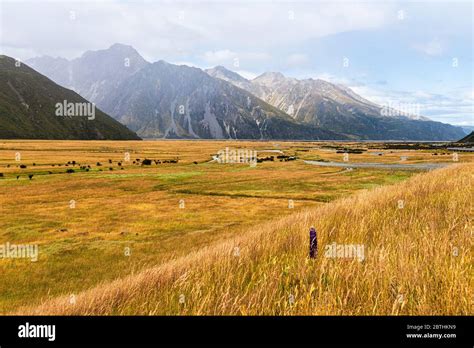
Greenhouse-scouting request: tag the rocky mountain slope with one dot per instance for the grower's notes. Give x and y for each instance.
(337, 108)
(95, 74)
(163, 100)
(29, 109)
(170, 101)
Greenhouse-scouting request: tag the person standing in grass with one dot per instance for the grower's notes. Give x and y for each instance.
(313, 243)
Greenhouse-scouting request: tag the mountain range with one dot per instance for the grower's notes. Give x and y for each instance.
(163, 100)
(337, 108)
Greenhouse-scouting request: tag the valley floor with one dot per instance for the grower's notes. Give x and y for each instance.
(200, 237)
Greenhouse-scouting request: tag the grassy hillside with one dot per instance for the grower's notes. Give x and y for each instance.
(418, 261)
(467, 139)
(28, 109)
(137, 206)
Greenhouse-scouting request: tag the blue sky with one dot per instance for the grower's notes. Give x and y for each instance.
(398, 52)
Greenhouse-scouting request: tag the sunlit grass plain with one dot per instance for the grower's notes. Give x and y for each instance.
(127, 247)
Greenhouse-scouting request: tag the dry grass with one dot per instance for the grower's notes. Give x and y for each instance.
(418, 261)
(137, 207)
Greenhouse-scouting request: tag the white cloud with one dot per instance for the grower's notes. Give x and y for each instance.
(219, 57)
(234, 59)
(432, 48)
(297, 60)
(422, 95)
(163, 29)
(469, 94)
(446, 108)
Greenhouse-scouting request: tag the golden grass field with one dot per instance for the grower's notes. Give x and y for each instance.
(235, 247)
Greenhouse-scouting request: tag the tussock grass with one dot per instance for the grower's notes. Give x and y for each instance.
(418, 261)
(137, 207)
